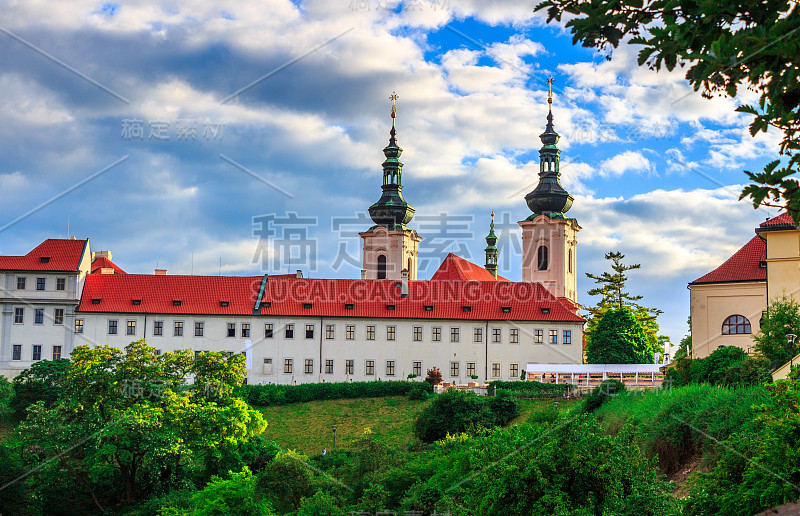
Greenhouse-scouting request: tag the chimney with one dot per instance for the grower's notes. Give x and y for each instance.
(101, 254)
(404, 285)
(299, 274)
(363, 273)
(161, 272)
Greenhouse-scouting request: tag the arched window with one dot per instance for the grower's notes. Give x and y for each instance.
(736, 325)
(381, 266)
(542, 256)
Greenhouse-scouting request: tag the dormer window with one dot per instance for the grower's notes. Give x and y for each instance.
(95, 301)
(429, 308)
(267, 304)
(136, 302)
(545, 311)
(308, 306)
(44, 259)
(349, 306)
(506, 309)
(224, 304)
(390, 307)
(177, 302)
(762, 264)
(466, 308)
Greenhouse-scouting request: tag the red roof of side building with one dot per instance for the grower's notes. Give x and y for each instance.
(455, 268)
(54, 254)
(291, 296)
(744, 265)
(784, 219)
(104, 263)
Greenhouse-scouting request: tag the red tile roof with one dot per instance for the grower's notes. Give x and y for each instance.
(105, 263)
(455, 268)
(54, 254)
(784, 219)
(744, 265)
(290, 296)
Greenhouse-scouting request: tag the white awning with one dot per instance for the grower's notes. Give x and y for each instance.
(593, 368)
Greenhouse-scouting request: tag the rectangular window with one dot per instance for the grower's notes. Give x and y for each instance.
(391, 332)
(453, 368)
(417, 334)
(497, 335)
(20, 283)
(513, 371)
(287, 365)
(350, 332)
(37, 352)
(567, 337)
(553, 336)
(538, 336)
(177, 330)
(369, 368)
(390, 368)
(56, 352)
(78, 325)
(328, 366)
(16, 352)
(436, 334)
(199, 329)
(268, 330)
(309, 331)
(496, 370)
(370, 333)
(131, 329)
(470, 369)
(309, 366)
(61, 283)
(19, 315)
(38, 316)
(349, 366)
(231, 329)
(158, 328)
(40, 283)
(246, 330)
(514, 335)
(330, 331)
(112, 327)
(416, 367)
(455, 334)
(477, 335)
(289, 332)
(58, 317)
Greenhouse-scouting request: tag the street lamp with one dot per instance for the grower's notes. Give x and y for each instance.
(790, 337)
(334, 437)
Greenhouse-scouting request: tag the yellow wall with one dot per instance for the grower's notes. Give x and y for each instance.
(712, 304)
(783, 263)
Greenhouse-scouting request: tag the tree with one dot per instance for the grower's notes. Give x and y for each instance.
(782, 318)
(140, 424)
(235, 495)
(434, 376)
(613, 295)
(41, 381)
(286, 480)
(619, 338)
(6, 397)
(456, 411)
(724, 46)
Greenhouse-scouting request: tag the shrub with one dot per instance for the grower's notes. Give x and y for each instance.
(434, 376)
(234, 495)
(418, 393)
(529, 390)
(321, 504)
(275, 395)
(459, 411)
(726, 366)
(286, 481)
(601, 393)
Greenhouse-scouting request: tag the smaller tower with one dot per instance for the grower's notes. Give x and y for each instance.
(491, 250)
(390, 246)
(550, 238)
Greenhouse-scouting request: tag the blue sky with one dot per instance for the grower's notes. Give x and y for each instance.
(279, 176)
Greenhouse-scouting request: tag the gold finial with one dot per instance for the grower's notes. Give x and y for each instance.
(550, 90)
(493, 216)
(393, 97)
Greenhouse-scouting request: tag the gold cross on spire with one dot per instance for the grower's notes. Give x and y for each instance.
(550, 90)
(393, 97)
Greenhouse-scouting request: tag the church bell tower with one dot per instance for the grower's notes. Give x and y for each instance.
(549, 238)
(390, 247)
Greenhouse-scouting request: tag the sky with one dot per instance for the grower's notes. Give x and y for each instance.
(209, 137)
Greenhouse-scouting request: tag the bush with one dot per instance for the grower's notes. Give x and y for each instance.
(529, 390)
(286, 481)
(418, 393)
(434, 377)
(458, 411)
(727, 366)
(234, 495)
(601, 393)
(275, 395)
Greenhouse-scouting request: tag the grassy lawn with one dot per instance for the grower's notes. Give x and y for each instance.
(306, 427)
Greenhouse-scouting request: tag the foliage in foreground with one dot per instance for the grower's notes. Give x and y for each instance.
(276, 395)
(728, 366)
(457, 411)
(781, 318)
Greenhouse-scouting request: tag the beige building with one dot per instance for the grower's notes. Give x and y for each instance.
(728, 302)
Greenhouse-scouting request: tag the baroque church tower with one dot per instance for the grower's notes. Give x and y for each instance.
(549, 238)
(390, 247)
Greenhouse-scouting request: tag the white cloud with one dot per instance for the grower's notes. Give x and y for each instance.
(628, 161)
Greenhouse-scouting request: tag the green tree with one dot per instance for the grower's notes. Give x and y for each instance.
(456, 411)
(321, 504)
(286, 480)
(140, 424)
(781, 318)
(6, 397)
(619, 338)
(724, 47)
(235, 495)
(41, 381)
